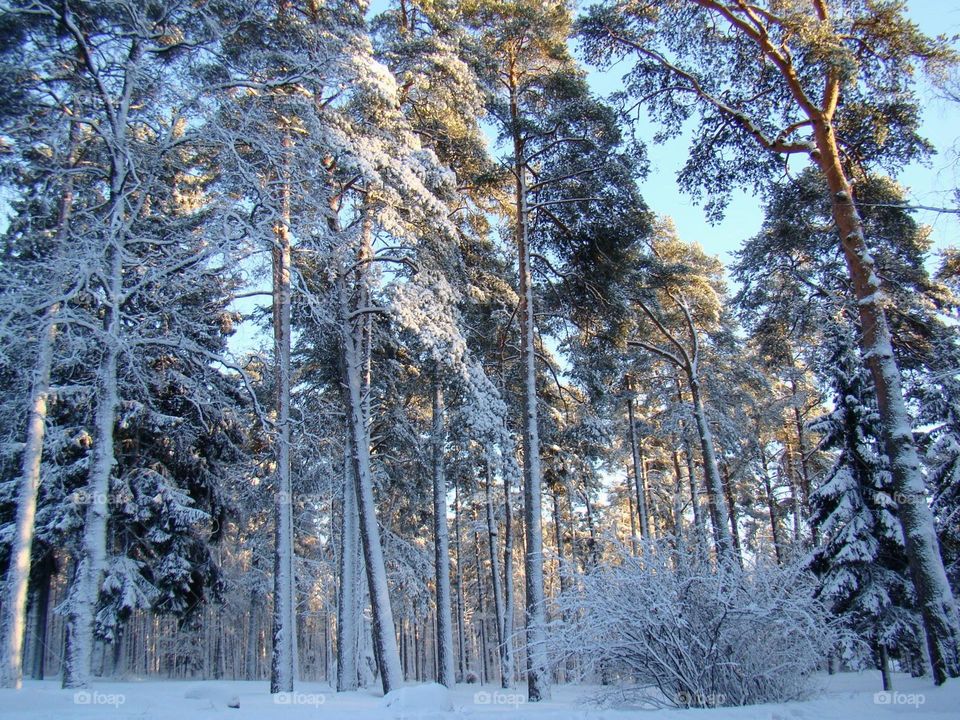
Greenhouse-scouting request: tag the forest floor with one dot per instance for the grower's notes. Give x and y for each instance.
(846, 696)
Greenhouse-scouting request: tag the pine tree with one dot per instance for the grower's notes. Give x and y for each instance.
(862, 564)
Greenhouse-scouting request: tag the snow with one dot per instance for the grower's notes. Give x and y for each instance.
(428, 699)
(846, 696)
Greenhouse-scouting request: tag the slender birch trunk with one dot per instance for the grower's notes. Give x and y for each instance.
(734, 522)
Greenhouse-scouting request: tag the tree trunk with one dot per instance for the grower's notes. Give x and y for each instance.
(91, 562)
(349, 606)
(441, 545)
(734, 522)
(711, 473)
(538, 682)
(481, 614)
(282, 665)
(462, 664)
(14, 606)
(934, 596)
(384, 637)
(884, 661)
(506, 653)
(638, 473)
(355, 386)
(700, 541)
(771, 505)
(494, 545)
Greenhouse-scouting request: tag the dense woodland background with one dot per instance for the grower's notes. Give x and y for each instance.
(510, 427)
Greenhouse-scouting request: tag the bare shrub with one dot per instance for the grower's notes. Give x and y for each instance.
(672, 630)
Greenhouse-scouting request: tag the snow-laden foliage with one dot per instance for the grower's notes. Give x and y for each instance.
(861, 561)
(681, 633)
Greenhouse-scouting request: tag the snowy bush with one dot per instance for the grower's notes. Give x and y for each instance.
(676, 631)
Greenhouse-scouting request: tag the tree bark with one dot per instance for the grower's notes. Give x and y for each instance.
(493, 534)
(538, 682)
(351, 566)
(282, 665)
(462, 664)
(771, 505)
(506, 656)
(638, 473)
(14, 607)
(711, 472)
(441, 545)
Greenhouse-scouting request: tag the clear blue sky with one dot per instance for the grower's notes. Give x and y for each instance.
(930, 185)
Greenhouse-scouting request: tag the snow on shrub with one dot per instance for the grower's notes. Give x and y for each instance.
(671, 630)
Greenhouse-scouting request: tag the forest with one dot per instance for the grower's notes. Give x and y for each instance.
(340, 348)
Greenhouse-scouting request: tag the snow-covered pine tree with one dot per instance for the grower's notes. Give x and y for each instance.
(861, 562)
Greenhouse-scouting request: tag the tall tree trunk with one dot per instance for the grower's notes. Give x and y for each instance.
(355, 386)
(791, 473)
(14, 606)
(711, 473)
(934, 596)
(282, 665)
(91, 561)
(538, 681)
(884, 662)
(700, 541)
(493, 533)
(638, 473)
(506, 653)
(561, 560)
(771, 505)
(251, 671)
(462, 664)
(349, 608)
(734, 522)
(384, 636)
(441, 545)
(481, 610)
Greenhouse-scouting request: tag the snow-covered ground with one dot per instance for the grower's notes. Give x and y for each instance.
(848, 696)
